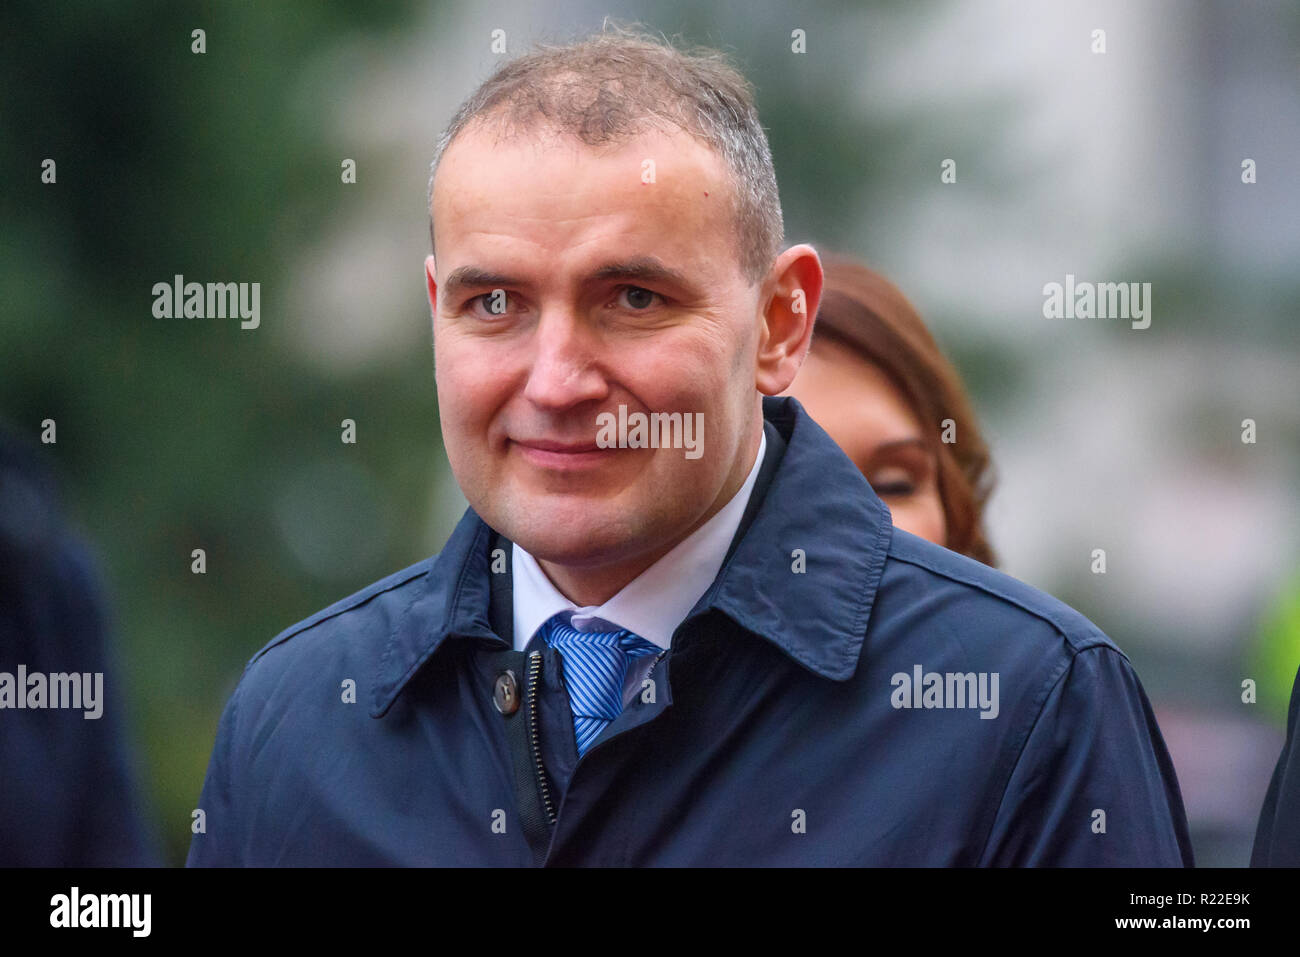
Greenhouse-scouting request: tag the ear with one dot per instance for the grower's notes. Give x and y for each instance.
(795, 284)
(431, 284)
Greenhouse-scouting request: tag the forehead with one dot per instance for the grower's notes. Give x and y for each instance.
(835, 376)
(662, 194)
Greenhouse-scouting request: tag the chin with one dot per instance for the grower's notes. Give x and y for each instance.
(569, 533)
(577, 546)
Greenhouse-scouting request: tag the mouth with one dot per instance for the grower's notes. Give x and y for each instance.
(562, 456)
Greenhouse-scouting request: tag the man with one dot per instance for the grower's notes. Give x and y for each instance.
(702, 646)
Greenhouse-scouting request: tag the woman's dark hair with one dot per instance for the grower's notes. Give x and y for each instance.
(865, 312)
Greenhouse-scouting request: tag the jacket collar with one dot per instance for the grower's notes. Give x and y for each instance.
(817, 512)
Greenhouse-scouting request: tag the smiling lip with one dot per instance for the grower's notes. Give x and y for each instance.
(563, 455)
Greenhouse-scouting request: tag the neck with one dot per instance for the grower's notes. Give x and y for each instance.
(597, 585)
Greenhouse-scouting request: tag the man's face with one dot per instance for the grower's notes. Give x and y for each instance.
(616, 292)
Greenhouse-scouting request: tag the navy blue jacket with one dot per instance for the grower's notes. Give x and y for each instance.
(1277, 839)
(69, 786)
(782, 728)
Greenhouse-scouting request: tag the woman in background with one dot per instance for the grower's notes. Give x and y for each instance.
(876, 381)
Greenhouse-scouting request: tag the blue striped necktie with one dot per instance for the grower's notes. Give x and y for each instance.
(595, 667)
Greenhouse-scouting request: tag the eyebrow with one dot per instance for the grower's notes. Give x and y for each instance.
(902, 443)
(643, 268)
(637, 269)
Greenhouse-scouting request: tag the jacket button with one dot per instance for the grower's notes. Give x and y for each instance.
(506, 693)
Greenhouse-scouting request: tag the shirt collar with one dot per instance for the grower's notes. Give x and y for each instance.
(654, 603)
(803, 576)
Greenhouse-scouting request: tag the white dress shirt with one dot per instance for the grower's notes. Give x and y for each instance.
(651, 605)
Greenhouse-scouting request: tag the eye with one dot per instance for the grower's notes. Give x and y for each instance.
(893, 489)
(494, 304)
(892, 481)
(638, 299)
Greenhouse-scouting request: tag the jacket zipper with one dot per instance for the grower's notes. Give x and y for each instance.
(534, 670)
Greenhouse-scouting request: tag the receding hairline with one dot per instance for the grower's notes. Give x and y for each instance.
(499, 129)
(614, 86)
(544, 134)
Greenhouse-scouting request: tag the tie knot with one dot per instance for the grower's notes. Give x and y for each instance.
(595, 668)
(558, 633)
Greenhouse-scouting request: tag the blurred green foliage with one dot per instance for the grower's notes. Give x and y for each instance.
(176, 435)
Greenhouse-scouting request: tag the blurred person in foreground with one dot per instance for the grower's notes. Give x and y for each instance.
(68, 792)
(709, 649)
(876, 381)
(1277, 836)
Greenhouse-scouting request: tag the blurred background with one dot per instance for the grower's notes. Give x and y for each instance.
(226, 165)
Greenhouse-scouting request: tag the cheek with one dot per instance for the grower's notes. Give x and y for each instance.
(464, 380)
(680, 375)
(922, 515)
(465, 404)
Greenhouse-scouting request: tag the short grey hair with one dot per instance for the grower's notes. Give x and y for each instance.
(611, 86)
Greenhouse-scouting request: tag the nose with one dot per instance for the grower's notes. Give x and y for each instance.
(566, 370)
